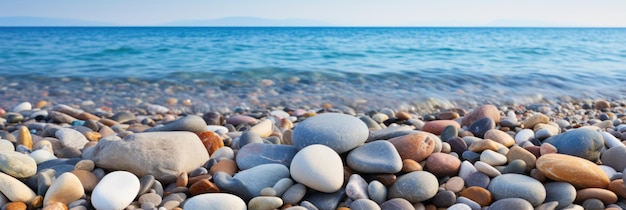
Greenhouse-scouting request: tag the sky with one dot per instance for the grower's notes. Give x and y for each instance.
(598, 13)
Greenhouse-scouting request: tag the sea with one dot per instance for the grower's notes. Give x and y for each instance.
(358, 67)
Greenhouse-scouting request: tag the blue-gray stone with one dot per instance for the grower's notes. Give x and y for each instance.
(472, 204)
(340, 132)
(191, 123)
(615, 157)
(397, 204)
(249, 183)
(444, 199)
(415, 187)
(255, 154)
(294, 194)
(582, 142)
(375, 157)
(511, 203)
(471, 156)
(480, 127)
(516, 166)
(58, 164)
(377, 191)
(371, 123)
(478, 179)
(517, 186)
(449, 132)
(364, 204)
(248, 137)
(562, 192)
(325, 200)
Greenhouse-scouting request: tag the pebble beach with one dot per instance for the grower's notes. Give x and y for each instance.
(66, 152)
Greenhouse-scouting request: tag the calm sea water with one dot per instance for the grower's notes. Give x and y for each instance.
(370, 63)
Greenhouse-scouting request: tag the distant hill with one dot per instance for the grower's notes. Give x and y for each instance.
(248, 21)
(41, 21)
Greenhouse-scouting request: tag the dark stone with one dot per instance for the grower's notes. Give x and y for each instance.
(478, 179)
(457, 145)
(444, 199)
(449, 132)
(481, 126)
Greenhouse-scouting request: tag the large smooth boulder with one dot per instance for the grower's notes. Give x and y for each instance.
(162, 154)
(340, 132)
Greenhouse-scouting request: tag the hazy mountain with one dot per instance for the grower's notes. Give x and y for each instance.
(41, 21)
(248, 21)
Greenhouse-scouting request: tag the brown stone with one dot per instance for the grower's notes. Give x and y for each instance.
(211, 141)
(534, 173)
(547, 148)
(203, 186)
(535, 150)
(16, 205)
(481, 112)
(579, 172)
(24, 137)
(41, 104)
(403, 115)
(500, 137)
(442, 164)
(226, 165)
(416, 146)
(606, 196)
(410, 165)
(617, 186)
(465, 133)
(195, 179)
(437, 126)
(480, 146)
(108, 122)
(55, 206)
(535, 119)
(447, 115)
(517, 152)
(87, 116)
(602, 104)
(182, 179)
(93, 136)
(87, 179)
(386, 179)
(480, 195)
(37, 202)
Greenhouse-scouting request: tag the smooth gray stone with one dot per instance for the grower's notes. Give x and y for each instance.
(356, 187)
(593, 203)
(459, 206)
(190, 123)
(255, 154)
(308, 205)
(282, 186)
(471, 156)
(515, 167)
(371, 123)
(481, 126)
(377, 191)
(248, 137)
(325, 200)
(582, 142)
(449, 132)
(340, 132)
(615, 157)
(397, 204)
(145, 184)
(552, 205)
(364, 204)
(249, 183)
(562, 192)
(294, 194)
(375, 157)
(472, 204)
(123, 116)
(478, 179)
(158, 188)
(405, 186)
(517, 186)
(511, 203)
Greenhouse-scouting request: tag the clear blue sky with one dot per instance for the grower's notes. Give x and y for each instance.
(340, 12)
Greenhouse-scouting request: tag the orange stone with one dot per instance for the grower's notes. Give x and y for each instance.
(436, 126)
(500, 137)
(617, 186)
(37, 202)
(108, 122)
(579, 172)
(536, 119)
(403, 115)
(448, 115)
(87, 116)
(55, 206)
(606, 196)
(195, 179)
(602, 104)
(16, 205)
(211, 141)
(24, 137)
(203, 186)
(442, 164)
(226, 165)
(409, 165)
(416, 146)
(182, 180)
(93, 136)
(480, 195)
(517, 152)
(480, 146)
(41, 104)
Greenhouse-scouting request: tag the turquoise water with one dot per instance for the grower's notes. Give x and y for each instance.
(415, 63)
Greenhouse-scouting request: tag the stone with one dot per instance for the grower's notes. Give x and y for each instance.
(191, 123)
(248, 137)
(65, 189)
(472, 204)
(500, 137)
(263, 129)
(547, 206)
(60, 117)
(481, 126)
(602, 104)
(281, 186)
(582, 142)
(511, 203)
(375, 157)
(318, 167)
(24, 106)
(493, 158)
(457, 145)
(340, 132)
(478, 179)
(409, 165)
(444, 198)
(478, 194)
(215, 201)
(482, 145)
(547, 148)
(455, 184)
(397, 204)
(524, 135)
(537, 118)
(294, 194)
(123, 116)
(577, 171)
(6, 145)
(14, 189)
(227, 166)
(449, 132)
(415, 146)
(517, 186)
(265, 202)
(17, 205)
(211, 141)
(517, 152)
(356, 187)
(249, 183)
(150, 198)
(442, 164)
(203, 186)
(516, 166)
(71, 138)
(416, 186)
(162, 154)
(615, 157)
(115, 191)
(17, 164)
(41, 155)
(377, 191)
(364, 204)
(606, 196)
(24, 137)
(255, 154)
(87, 179)
(437, 126)
(459, 206)
(480, 112)
(324, 200)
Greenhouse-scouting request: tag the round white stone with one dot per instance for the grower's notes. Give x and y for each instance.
(215, 201)
(318, 167)
(116, 190)
(42, 155)
(14, 189)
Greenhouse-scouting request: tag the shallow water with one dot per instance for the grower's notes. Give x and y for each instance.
(369, 66)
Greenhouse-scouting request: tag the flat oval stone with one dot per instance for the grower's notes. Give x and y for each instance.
(263, 129)
(459, 206)
(437, 126)
(537, 118)
(249, 183)
(444, 198)
(457, 145)
(511, 203)
(71, 138)
(487, 169)
(577, 171)
(17, 164)
(215, 201)
(517, 152)
(500, 137)
(416, 146)
(442, 164)
(340, 132)
(191, 123)
(294, 194)
(516, 166)
(455, 184)
(482, 145)
(478, 194)
(478, 179)
(582, 142)
(606, 196)
(255, 154)
(14, 189)
(318, 167)
(416, 186)
(375, 157)
(492, 158)
(116, 190)
(517, 186)
(203, 186)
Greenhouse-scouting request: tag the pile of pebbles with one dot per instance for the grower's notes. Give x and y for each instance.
(544, 156)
